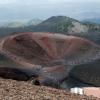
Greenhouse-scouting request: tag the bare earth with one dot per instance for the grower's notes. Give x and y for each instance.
(14, 90)
(44, 48)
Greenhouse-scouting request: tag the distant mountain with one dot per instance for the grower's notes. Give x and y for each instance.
(19, 24)
(34, 22)
(70, 26)
(14, 24)
(93, 20)
(58, 24)
(61, 24)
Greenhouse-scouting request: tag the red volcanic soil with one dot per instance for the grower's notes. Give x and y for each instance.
(30, 49)
(46, 48)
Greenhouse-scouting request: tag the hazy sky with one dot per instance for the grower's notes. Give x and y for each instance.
(29, 9)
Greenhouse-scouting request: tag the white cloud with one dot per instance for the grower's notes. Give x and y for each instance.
(16, 9)
(7, 1)
(43, 1)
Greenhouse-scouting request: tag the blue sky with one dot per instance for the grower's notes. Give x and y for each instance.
(28, 9)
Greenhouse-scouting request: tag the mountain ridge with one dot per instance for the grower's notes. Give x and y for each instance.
(62, 25)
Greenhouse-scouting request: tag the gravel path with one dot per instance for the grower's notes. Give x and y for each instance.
(14, 90)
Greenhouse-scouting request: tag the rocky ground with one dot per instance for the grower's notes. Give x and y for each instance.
(20, 90)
